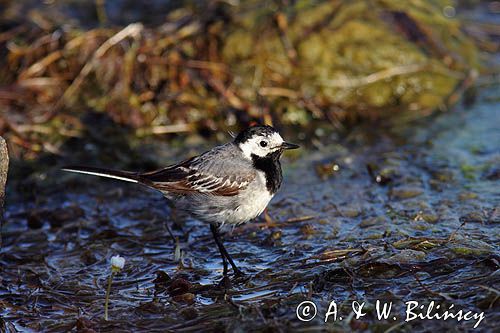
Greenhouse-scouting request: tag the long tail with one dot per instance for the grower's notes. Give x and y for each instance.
(132, 177)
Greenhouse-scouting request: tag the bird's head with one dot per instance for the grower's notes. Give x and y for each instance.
(262, 141)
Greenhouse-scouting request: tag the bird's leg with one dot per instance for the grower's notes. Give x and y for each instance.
(236, 270)
(223, 252)
(218, 241)
(224, 263)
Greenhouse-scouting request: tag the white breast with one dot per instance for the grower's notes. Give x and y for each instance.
(252, 201)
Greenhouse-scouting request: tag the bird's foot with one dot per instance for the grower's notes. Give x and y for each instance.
(225, 283)
(238, 273)
(240, 277)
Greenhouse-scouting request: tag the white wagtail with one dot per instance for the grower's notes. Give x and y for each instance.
(229, 184)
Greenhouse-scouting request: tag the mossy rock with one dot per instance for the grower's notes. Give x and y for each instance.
(349, 54)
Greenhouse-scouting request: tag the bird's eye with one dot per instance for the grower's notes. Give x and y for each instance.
(263, 143)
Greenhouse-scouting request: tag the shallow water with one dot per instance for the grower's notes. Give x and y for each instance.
(428, 230)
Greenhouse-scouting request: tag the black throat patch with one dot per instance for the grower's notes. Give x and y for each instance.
(271, 167)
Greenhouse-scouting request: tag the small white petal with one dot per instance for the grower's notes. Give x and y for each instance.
(177, 252)
(117, 262)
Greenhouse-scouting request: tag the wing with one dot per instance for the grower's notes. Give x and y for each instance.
(220, 171)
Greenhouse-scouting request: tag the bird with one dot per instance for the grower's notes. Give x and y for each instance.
(230, 184)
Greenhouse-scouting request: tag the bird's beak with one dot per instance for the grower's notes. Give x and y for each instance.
(288, 145)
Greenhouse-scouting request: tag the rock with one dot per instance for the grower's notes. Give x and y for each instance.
(465, 247)
(188, 298)
(430, 218)
(350, 211)
(493, 174)
(405, 192)
(179, 286)
(372, 221)
(189, 313)
(406, 256)
(495, 216)
(4, 168)
(472, 217)
(464, 196)
(254, 44)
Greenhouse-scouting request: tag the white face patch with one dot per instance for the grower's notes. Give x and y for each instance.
(261, 145)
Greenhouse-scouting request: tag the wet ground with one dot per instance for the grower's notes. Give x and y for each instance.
(410, 215)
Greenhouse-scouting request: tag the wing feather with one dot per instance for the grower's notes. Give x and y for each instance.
(217, 172)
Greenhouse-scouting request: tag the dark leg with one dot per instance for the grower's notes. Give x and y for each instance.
(215, 233)
(223, 252)
(236, 270)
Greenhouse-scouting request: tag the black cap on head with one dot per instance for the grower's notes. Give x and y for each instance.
(254, 130)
